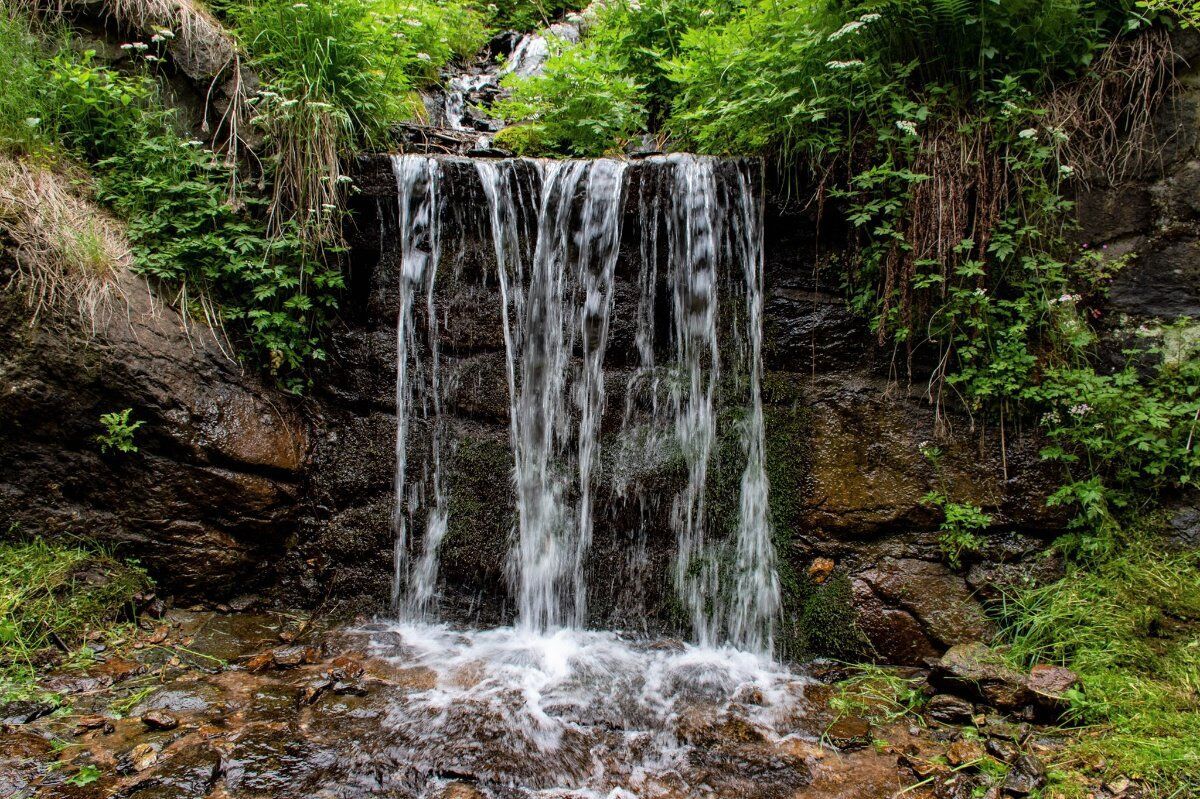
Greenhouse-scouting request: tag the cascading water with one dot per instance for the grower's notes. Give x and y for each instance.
(418, 393)
(557, 244)
(546, 707)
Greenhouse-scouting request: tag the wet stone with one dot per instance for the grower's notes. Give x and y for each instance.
(1026, 776)
(159, 720)
(189, 773)
(849, 733)
(949, 709)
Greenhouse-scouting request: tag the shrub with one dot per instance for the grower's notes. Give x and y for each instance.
(580, 104)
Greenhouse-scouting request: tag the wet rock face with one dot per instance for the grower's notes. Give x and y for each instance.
(844, 440)
(211, 493)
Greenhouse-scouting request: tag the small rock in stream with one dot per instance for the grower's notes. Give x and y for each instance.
(349, 688)
(312, 692)
(93, 722)
(159, 720)
(143, 756)
(849, 733)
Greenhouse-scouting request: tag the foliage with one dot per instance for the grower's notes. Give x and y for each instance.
(961, 528)
(85, 776)
(526, 15)
(580, 104)
(118, 431)
(21, 126)
(1129, 626)
(52, 594)
(185, 228)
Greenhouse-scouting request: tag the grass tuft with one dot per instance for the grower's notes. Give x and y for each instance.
(1129, 625)
(52, 594)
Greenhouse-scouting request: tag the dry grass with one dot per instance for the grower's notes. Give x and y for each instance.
(68, 254)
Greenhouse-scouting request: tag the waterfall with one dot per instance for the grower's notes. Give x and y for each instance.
(418, 393)
(556, 232)
(566, 305)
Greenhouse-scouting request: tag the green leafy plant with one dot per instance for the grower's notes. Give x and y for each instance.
(580, 104)
(961, 528)
(118, 431)
(85, 776)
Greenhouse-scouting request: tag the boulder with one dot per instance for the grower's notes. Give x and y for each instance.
(207, 500)
(977, 670)
(937, 599)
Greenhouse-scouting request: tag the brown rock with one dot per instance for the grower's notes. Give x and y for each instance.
(978, 671)
(937, 598)
(820, 569)
(894, 634)
(93, 722)
(143, 756)
(289, 657)
(961, 752)
(849, 733)
(260, 662)
(1050, 684)
(159, 720)
(312, 691)
(949, 709)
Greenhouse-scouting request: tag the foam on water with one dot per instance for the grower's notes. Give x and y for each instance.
(583, 712)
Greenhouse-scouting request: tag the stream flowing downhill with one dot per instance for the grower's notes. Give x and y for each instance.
(546, 706)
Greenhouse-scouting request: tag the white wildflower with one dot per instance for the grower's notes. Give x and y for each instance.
(980, 292)
(33, 122)
(1028, 133)
(156, 38)
(166, 33)
(907, 127)
(127, 47)
(844, 64)
(845, 30)
(299, 6)
(423, 56)
(1066, 170)
(1080, 410)
(708, 12)
(141, 46)
(412, 23)
(344, 179)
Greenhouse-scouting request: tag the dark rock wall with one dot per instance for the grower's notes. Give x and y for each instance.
(209, 500)
(844, 432)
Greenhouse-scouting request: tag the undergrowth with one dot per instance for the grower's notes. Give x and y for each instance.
(1129, 625)
(52, 595)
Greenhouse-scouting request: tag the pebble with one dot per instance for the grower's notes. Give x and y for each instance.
(159, 720)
